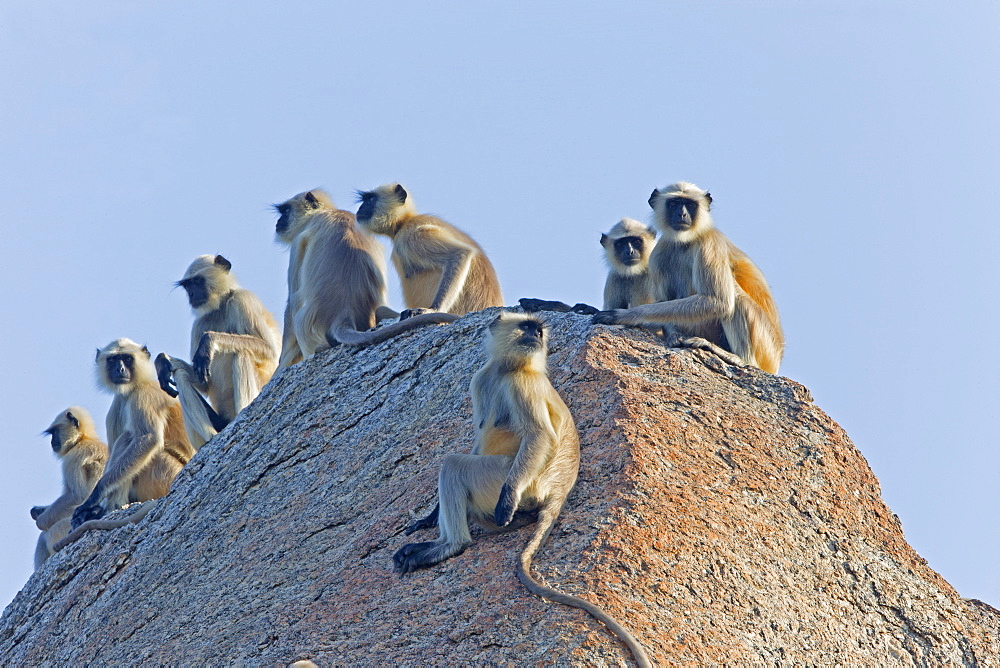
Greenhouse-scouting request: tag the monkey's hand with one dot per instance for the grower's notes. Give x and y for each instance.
(88, 510)
(203, 358)
(36, 511)
(612, 317)
(584, 309)
(506, 506)
(164, 374)
(410, 312)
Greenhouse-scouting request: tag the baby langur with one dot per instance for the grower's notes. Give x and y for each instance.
(709, 294)
(83, 455)
(145, 431)
(336, 280)
(627, 247)
(234, 350)
(525, 460)
(440, 267)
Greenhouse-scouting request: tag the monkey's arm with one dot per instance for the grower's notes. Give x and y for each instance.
(615, 296)
(129, 455)
(213, 343)
(715, 299)
(58, 509)
(454, 257)
(538, 442)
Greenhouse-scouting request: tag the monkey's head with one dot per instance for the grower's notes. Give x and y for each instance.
(627, 246)
(293, 213)
(382, 208)
(681, 211)
(207, 281)
(69, 427)
(518, 340)
(122, 363)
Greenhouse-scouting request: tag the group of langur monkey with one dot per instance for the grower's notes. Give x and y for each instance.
(693, 286)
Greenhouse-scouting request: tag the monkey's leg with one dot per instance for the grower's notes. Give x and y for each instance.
(155, 480)
(291, 353)
(41, 550)
(467, 484)
(246, 385)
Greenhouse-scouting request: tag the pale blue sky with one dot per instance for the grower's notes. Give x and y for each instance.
(851, 148)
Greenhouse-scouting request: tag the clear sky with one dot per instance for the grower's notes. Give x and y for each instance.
(851, 148)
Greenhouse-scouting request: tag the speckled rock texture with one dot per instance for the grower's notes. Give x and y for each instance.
(719, 514)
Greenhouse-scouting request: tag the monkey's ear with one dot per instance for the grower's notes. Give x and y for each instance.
(652, 230)
(652, 198)
(400, 193)
(72, 418)
(708, 196)
(223, 262)
(98, 355)
(146, 351)
(495, 321)
(604, 240)
(311, 200)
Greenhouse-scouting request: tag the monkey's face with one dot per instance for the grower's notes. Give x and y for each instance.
(368, 200)
(629, 250)
(63, 431)
(57, 441)
(120, 368)
(681, 213)
(197, 290)
(284, 218)
(531, 334)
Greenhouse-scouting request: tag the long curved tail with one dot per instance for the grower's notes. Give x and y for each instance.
(546, 520)
(105, 525)
(344, 333)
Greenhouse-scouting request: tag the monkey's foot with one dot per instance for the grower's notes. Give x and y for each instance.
(410, 312)
(608, 317)
(424, 522)
(413, 556)
(698, 343)
(165, 374)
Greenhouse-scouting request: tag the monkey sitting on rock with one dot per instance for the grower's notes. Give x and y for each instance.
(627, 246)
(83, 455)
(709, 294)
(525, 461)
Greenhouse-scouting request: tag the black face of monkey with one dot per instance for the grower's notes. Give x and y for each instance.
(628, 250)
(283, 222)
(532, 333)
(120, 368)
(367, 207)
(681, 213)
(56, 440)
(196, 289)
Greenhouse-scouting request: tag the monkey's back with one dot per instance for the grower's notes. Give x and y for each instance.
(340, 258)
(419, 250)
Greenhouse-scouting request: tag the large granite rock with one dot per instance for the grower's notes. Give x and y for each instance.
(719, 514)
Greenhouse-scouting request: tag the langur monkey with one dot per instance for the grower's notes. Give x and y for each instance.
(83, 455)
(441, 268)
(525, 460)
(149, 444)
(336, 280)
(234, 350)
(709, 294)
(627, 247)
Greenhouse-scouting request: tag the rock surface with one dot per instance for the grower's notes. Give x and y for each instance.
(719, 514)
